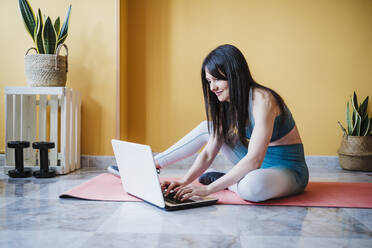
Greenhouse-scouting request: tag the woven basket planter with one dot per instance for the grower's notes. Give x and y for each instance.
(355, 153)
(46, 69)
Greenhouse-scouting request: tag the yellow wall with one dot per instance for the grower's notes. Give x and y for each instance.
(123, 70)
(92, 58)
(314, 53)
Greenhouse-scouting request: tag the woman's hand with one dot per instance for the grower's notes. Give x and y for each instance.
(169, 186)
(185, 192)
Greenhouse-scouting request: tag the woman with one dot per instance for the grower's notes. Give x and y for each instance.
(248, 123)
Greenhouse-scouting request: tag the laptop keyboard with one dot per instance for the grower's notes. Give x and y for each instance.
(170, 198)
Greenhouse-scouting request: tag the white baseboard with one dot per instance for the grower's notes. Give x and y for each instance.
(102, 162)
(2, 159)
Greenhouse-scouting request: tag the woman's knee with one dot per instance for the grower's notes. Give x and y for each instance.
(202, 130)
(203, 126)
(250, 194)
(263, 184)
(251, 189)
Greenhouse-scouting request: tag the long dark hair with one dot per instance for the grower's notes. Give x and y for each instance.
(229, 119)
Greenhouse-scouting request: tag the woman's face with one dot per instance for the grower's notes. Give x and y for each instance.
(218, 87)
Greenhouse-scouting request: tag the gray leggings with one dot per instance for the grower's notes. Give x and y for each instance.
(258, 185)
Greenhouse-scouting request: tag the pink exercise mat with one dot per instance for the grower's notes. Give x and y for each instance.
(107, 187)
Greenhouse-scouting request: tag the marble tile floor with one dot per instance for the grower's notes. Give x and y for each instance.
(32, 215)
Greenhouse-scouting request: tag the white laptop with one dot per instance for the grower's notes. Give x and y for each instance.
(139, 177)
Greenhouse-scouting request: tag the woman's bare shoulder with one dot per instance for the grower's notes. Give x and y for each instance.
(263, 99)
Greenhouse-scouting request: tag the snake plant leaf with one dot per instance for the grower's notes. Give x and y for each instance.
(38, 33)
(354, 102)
(355, 108)
(36, 26)
(40, 15)
(367, 127)
(63, 32)
(342, 128)
(358, 119)
(353, 113)
(356, 131)
(364, 127)
(353, 130)
(60, 41)
(38, 38)
(28, 17)
(363, 108)
(57, 25)
(349, 121)
(49, 37)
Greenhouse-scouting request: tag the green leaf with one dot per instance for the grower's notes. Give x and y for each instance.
(60, 41)
(342, 128)
(28, 17)
(57, 25)
(353, 115)
(354, 102)
(355, 109)
(358, 119)
(364, 127)
(368, 128)
(349, 122)
(63, 32)
(49, 37)
(38, 33)
(363, 108)
(356, 131)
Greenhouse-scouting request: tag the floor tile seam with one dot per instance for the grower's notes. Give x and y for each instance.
(6, 204)
(30, 193)
(54, 229)
(181, 233)
(303, 237)
(108, 217)
(306, 236)
(352, 216)
(45, 231)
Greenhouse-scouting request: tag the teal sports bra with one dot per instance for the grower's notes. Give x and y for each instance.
(281, 126)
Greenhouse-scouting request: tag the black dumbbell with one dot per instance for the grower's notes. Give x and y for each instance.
(19, 171)
(44, 171)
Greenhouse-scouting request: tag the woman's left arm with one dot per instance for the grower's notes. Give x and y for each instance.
(264, 113)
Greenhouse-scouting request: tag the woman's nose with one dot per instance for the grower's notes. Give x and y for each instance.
(213, 86)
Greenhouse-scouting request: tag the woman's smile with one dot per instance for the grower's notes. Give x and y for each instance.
(218, 93)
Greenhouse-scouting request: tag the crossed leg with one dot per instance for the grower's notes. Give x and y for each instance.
(191, 144)
(263, 184)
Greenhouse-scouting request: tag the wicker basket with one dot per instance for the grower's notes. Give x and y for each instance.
(355, 153)
(46, 69)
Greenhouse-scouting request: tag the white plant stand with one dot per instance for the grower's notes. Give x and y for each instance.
(27, 111)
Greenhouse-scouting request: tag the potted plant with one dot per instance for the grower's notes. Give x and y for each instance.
(355, 152)
(46, 67)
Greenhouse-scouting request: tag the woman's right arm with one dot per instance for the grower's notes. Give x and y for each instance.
(202, 162)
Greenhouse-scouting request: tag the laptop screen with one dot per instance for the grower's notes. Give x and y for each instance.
(137, 171)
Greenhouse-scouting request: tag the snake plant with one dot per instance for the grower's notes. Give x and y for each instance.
(358, 123)
(46, 35)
